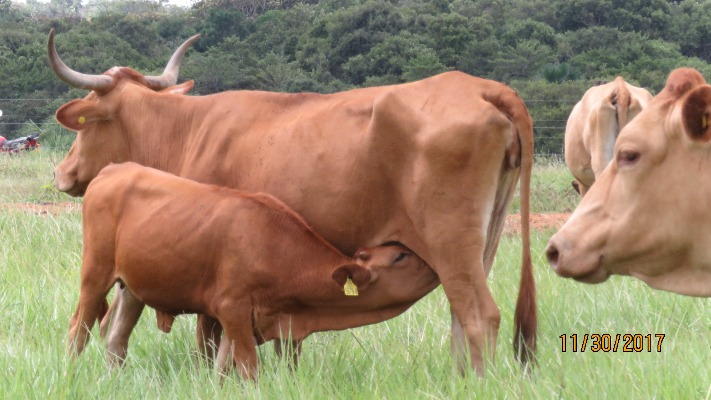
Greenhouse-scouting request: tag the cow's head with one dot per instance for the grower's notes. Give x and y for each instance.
(648, 213)
(394, 272)
(100, 140)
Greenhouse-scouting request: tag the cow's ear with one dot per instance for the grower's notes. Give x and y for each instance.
(183, 88)
(696, 114)
(360, 276)
(78, 114)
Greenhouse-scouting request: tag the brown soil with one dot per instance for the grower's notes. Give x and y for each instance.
(43, 208)
(512, 226)
(539, 222)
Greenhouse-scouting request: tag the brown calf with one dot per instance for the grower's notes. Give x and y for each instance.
(245, 259)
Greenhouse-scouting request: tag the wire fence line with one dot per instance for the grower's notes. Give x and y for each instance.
(548, 132)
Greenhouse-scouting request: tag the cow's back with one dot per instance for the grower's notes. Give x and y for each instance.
(361, 154)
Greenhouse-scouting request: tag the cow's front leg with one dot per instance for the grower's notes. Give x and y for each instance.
(209, 334)
(293, 350)
(117, 326)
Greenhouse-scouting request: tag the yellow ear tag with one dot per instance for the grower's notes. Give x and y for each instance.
(81, 120)
(704, 121)
(350, 288)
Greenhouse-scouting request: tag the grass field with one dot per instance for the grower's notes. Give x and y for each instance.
(405, 358)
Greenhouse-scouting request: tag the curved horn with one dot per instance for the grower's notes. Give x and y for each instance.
(169, 77)
(74, 78)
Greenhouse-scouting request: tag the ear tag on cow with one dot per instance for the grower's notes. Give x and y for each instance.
(350, 288)
(704, 121)
(81, 120)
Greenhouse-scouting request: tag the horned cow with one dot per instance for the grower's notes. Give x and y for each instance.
(431, 164)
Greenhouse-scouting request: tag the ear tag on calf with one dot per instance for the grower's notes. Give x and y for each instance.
(349, 288)
(81, 120)
(704, 121)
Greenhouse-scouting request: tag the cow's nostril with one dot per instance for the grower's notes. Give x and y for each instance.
(552, 255)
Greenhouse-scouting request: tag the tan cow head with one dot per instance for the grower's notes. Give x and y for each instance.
(100, 139)
(389, 270)
(648, 214)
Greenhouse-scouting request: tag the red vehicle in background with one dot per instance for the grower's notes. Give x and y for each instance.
(16, 145)
(26, 143)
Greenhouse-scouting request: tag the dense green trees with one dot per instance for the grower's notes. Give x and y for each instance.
(551, 51)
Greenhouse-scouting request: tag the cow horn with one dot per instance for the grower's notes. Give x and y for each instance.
(169, 77)
(74, 78)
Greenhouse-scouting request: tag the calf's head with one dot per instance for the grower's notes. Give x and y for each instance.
(391, 274)
(648, 213)
(101, 137)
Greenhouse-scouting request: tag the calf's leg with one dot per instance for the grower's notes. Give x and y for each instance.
(238, 347)
(91, 303)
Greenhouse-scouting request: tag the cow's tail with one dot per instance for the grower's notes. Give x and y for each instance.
(622, 95)
(526, 315)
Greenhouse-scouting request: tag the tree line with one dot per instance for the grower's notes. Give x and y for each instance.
(551, 51)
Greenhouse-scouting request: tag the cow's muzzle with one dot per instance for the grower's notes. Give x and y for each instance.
(568, 261)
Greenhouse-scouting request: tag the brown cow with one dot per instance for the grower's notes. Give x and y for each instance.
(432, 164)
(245, 259)
(647, 215)
(593, 127)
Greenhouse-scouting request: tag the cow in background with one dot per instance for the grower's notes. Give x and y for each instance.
(431, 164)
(648, 214)
(593, 127)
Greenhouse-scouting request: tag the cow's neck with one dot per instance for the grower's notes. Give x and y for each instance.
(158, 136)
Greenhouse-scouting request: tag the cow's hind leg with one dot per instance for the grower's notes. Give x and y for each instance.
(458, 257)
(458, 213)
(475, 317)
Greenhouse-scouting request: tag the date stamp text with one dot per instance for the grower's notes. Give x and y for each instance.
(626, 343)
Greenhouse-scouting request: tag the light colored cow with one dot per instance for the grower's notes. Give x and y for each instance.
(648, 213)
(593, 127)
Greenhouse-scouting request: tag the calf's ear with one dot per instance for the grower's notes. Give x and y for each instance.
(78, 114)
(360, 276)
(696, 114)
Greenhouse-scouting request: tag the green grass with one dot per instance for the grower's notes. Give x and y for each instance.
(27, 177)
(406, 357)
(551, 189)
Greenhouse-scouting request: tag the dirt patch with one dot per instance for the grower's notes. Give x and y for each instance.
(539, 222)
(43, 208)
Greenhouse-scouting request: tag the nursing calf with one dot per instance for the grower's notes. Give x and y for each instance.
(244, 259)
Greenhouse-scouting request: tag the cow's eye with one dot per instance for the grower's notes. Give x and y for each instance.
(401, 256)
(627, 157)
